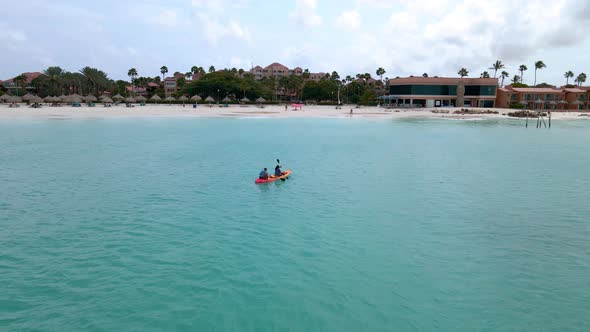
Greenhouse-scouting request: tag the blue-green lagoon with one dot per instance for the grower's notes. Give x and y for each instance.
(385, 225)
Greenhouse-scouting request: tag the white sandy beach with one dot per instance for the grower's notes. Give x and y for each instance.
(275, 111)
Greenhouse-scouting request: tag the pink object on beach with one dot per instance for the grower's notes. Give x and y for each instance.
(297, 106)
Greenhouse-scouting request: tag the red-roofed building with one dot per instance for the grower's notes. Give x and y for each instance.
(275, 70)
(545, 98)
(29, 77)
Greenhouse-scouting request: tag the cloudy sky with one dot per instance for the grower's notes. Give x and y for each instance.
(406, 37)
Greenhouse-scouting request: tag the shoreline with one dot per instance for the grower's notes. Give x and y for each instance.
(252, 111)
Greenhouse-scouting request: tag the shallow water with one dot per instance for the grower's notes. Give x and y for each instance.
(409, 225)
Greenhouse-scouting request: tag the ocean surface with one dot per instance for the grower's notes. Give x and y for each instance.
(385, 225)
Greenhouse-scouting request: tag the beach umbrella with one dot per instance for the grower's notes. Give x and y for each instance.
(63, 98)
(76, 96)
(74, 99)
(260, 100)
(226, 100)
(107, 100)
(103, 97)
(156, 98)
(141, 99)
(130, 100)
(14, 99)
(209, 99)
(27, 97)
(183, 99)
(246, 100)
(48, 99)
(196, 98)
(170, 99)
(4, 97)
(118, 97)
(56, 99)
(90, 98)
(36, 100)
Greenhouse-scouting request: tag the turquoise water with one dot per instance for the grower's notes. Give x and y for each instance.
(156, 224)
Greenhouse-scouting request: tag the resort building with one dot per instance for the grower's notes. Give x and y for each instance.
(543, 98)
(442, 91)
(11, 84)
(170, 86)
(278, 70)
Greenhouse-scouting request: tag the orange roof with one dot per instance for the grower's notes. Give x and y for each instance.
(574, 90)
(537, 90)
(276, 64)
(29, 77)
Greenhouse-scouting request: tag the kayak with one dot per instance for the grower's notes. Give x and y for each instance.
(274, 178)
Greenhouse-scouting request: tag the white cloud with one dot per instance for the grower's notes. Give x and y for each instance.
(305, 13)
(348, 20)
(167, 18)
(212, 19)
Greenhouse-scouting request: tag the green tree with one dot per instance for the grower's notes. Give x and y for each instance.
(96, 79)
(194, 69)
(425, 75)
(463, 72)
(503, 75)
(132, 73)
(163, 71)
(20, 82)
(568, 74)
(516, 79)
(211, 69)
(497, 66)
(522, 69)
(538, 65)
(380, 72)
(188, 75)
(485, 74)
(305, 74)
(581, 79)
(55, 75)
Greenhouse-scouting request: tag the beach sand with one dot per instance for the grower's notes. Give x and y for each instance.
(251, 111)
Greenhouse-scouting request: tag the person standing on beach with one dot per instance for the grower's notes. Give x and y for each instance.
(285, 107)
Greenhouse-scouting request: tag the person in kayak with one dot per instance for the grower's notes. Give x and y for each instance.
(278, 171)
(264, 174)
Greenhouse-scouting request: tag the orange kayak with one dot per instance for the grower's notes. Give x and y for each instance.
(274, 178)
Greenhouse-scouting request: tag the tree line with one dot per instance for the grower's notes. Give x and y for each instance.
(518, 79)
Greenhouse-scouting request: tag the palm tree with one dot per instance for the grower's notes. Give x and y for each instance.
(425, 75)
(163, 70)
(581, 79)
(380, 71)
(568, 74)
(504, 74)
(538, 65)
(211, 69)
(20, 81)
(463, 72)
(516, 79)
(194, 69)
(305, 74)
(522, 69)
(132, 73)
(55, 75)
(497, 66)
(485, 74)
(188, 75)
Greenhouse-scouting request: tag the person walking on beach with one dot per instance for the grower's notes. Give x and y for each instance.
(285, 107)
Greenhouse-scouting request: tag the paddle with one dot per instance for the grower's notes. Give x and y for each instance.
(278, 163)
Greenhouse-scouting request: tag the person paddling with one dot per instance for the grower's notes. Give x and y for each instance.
(278, 171)
(264, 174)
